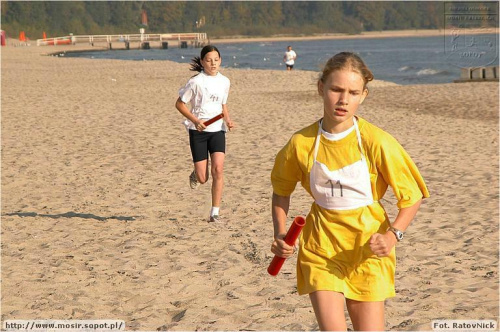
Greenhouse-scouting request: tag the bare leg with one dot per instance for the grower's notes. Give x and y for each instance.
(201, 169)
(366, 316)
(217, 169)
(329, 309)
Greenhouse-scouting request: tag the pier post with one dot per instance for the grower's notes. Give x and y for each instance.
(491, 73)
(465, 74)
(477, 73)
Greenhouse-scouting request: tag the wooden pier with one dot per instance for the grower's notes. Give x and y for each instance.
(479, 74)
(143, 40)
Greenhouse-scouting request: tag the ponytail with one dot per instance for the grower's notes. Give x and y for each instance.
(196, 64)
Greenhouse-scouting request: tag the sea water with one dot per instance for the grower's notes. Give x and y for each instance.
(408, 60)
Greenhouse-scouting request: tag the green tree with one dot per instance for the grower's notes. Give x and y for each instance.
(240, 12)
(125, 16)
(99, 11)
(221, 18)
(370, 14)
(165, 16)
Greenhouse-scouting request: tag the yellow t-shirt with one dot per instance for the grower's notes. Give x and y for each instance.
(334, 251)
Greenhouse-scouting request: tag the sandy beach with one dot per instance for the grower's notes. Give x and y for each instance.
(333, 36)
(98, 220)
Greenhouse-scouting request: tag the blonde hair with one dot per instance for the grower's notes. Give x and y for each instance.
(347, 60)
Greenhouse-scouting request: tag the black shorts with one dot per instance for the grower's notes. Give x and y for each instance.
(205, 142)
(289, 66)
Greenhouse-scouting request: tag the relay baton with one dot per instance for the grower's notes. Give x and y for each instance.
(290, 238)
(212, 120)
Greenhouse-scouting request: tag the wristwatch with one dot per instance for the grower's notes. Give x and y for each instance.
(397, 232)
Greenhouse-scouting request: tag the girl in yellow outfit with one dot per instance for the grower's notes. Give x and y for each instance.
(346, 164)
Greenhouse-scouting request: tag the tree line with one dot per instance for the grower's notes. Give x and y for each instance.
(217, 18)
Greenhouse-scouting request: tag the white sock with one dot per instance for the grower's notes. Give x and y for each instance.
(214, 211)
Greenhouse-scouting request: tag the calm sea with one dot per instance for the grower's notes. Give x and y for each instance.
(415, 60)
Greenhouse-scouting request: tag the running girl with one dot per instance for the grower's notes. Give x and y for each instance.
(207, 92)
(346, 253)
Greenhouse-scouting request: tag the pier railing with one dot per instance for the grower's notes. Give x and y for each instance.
(479, 74)
(196, 39)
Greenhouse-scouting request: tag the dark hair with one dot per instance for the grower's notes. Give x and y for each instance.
(196, 61)
(347, 60)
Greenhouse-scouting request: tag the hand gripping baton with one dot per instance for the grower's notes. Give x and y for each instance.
(212, 120)
(290, 238)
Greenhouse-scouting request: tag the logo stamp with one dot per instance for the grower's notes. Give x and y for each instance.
(471, 29)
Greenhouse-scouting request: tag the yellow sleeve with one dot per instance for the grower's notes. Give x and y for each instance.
(286, 171)
(400, 172)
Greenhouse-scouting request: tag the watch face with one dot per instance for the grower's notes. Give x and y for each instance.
(398, 233)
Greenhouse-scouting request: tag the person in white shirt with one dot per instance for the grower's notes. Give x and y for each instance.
(207, 92)
(289, 58)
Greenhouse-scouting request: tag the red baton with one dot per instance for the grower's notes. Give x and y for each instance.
(212, 120)
(290, 238)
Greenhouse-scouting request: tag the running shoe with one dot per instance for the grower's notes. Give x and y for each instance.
(193, 182)
(215, 218)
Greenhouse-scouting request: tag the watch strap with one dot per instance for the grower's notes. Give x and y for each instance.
(399, 234)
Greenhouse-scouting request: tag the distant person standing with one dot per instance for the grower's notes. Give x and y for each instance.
(289, 58)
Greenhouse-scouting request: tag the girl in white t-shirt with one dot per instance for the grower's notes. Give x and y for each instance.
(289, 58)
(207, 93)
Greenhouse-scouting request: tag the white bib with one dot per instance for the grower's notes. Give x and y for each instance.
(343, 189)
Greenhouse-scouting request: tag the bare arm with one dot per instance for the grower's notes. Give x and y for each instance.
(182, 108)
(382, 244)
(405, 217)
(227, 119)
(280, 206)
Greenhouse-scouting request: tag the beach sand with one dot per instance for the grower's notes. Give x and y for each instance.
(98, 221)
(363, 35)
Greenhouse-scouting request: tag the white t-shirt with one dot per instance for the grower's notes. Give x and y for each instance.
(290, 57)
(337, 136)
(206, 94)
